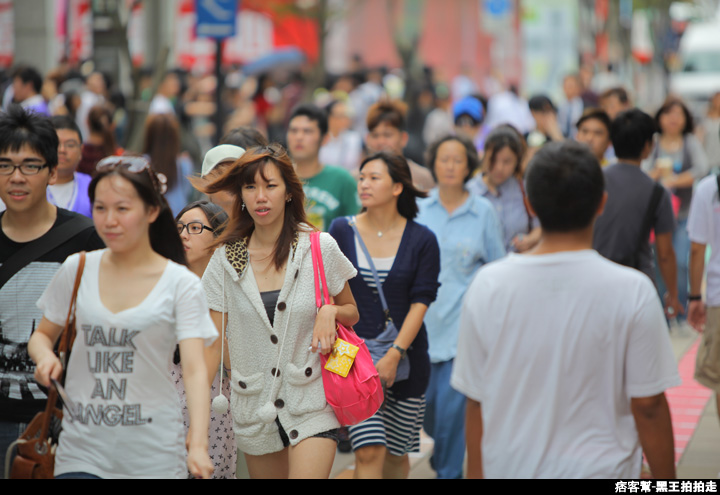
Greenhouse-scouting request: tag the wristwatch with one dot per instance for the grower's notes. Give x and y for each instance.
(403, 352)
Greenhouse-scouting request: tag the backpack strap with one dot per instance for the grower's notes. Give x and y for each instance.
(647, 224)
(42, 245)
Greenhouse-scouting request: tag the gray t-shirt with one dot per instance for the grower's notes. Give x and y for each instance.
(618, 229)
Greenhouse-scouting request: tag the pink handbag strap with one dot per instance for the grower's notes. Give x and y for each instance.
(318, 271)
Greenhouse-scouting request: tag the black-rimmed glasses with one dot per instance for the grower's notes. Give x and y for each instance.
(193, 228)
(7, 167)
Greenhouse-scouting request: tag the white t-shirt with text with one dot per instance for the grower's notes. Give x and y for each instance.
(554, 347)
(128, 421)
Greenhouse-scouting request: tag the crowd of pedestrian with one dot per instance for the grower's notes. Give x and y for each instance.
(532, 257)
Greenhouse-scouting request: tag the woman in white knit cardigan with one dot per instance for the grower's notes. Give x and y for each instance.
(260, 282)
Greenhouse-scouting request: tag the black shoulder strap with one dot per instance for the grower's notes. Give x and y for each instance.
(647, 223)
(42, 245)
(717, 178)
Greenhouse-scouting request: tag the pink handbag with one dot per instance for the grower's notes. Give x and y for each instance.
(358, 396)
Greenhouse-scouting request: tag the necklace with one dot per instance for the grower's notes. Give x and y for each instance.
(380, 233)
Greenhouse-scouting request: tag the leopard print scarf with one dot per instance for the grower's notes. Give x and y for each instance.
(238, 257)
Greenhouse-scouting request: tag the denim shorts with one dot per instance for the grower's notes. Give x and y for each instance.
(330, 434)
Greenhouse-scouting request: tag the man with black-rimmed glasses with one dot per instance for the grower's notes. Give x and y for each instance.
(35, 238)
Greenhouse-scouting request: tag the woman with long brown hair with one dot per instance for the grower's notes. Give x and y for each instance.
(260, 287)
(101, 141)
(162, 144)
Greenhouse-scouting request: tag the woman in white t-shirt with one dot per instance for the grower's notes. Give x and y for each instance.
(135, 303)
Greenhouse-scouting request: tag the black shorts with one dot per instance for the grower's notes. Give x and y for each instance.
(331, 434)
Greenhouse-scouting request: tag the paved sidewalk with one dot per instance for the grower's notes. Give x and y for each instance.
(699, 455)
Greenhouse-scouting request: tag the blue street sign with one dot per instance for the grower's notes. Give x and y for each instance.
(498, 8)
(216, 18)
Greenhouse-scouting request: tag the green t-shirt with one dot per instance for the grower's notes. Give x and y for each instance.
(330, 194)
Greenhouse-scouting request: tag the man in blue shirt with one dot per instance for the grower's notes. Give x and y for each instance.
(470, 235)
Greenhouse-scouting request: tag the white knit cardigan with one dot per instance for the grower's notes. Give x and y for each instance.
(273, 372)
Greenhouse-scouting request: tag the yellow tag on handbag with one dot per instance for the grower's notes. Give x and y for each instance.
(341, 358)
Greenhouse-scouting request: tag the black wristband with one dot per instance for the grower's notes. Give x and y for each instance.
(695, 298)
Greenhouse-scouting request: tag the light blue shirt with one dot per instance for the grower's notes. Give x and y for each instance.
(469, 237)
(509, 205)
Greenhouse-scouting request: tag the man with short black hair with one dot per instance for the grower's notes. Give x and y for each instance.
(35, 239)
(330, 191)
(614, 101)
(593, 129)
(70, 190)
(27, 84)
(565, 356)
(386, 125)
(636, 206)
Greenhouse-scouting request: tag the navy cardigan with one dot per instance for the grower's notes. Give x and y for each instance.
(413, 278)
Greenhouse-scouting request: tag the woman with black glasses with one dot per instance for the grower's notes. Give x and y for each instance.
(199, 225)
(136, 302)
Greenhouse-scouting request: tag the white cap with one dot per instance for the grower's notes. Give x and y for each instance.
(219, 154)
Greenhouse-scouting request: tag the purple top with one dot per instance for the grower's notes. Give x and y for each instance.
(80, 202)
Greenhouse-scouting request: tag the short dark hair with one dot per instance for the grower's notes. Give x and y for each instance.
(65, 122)
(392, 112)
(667, 106)
(595, 114)
(244, 137)
(314, 113)
(630, 132)
(399, 171)
(217, 217)
(620, 93)
(29, 74)
(541, 103)
(20, 127)
(565, 186)
(473, 160)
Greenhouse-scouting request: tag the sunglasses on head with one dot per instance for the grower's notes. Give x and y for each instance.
(134, 164)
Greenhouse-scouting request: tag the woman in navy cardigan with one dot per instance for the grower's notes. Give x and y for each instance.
(407, 258)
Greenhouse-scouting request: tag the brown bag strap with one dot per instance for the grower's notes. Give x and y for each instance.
(65, 340)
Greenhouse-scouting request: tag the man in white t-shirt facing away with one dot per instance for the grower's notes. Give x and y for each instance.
(704, 229)
(564, 355)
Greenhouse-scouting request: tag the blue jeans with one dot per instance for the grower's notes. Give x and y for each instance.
(681, 245)
(445, 422)
(9, 432)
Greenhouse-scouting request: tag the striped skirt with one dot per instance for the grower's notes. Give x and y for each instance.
(396, 425)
